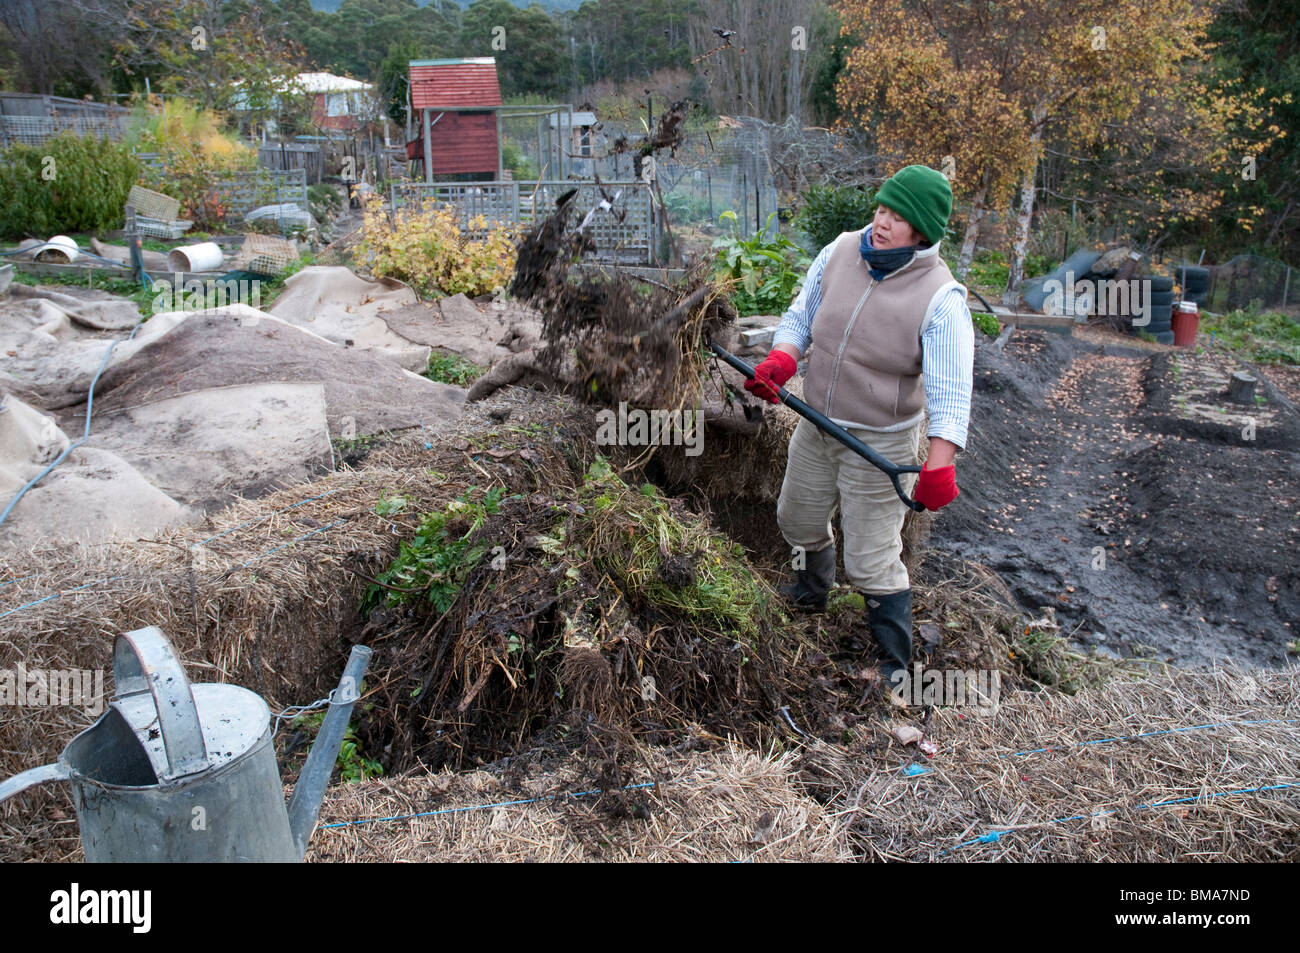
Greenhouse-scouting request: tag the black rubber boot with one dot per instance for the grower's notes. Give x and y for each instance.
(812, 583)
(890, 618)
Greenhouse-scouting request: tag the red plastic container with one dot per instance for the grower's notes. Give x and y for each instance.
(1185, 322)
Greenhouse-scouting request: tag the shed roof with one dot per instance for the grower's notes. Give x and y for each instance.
(455, 84)
(329, 83)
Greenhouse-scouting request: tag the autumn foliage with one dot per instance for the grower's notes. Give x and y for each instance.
(981, 89)
(426, 248)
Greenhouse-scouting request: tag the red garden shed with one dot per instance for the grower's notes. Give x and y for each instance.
(458, 102)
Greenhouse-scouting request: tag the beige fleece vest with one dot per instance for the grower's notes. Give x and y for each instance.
(864, 366)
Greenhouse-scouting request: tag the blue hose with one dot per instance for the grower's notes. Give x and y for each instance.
(90, 402)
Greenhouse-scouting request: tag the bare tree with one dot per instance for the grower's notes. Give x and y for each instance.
(754, 56)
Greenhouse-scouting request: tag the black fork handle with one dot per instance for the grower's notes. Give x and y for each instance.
(828, 426)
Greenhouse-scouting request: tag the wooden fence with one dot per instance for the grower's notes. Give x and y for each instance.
(32, 118)
(287, 156)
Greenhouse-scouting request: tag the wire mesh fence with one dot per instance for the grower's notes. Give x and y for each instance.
(1250, 281)
(619, 216)
(31, 118)
(241, 192)
(740, 164)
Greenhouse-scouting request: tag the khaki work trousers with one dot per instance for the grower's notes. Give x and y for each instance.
(820, 473)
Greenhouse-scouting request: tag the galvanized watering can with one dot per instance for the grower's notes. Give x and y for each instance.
(174, 772)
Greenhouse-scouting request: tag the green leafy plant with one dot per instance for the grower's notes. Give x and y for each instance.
(324, 201)
(513, 158)
(827, 212)
(352, 764)
(768, 271)
(453, 369)
(433, 564)
(1265, 337)
(685, 209)
(143, 297)
(986, 323)
(1036, 265)
(68, 184)
(989, 269)
(389, 505)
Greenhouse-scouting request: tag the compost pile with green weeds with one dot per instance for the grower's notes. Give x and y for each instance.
(588, 603)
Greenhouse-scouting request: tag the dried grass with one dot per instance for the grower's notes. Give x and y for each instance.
(835, 802)
(974, 788)
(270, 602)
(724, 805)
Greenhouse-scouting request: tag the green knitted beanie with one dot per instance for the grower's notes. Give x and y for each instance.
(922, 196)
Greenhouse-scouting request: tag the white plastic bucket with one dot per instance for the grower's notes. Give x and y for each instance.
(205, 256)
(59, 249)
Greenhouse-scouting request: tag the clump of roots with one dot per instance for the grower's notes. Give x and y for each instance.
(626, 339)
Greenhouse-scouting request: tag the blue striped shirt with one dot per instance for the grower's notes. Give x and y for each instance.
(947, 350)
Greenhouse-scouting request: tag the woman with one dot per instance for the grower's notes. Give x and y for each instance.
(892, 340)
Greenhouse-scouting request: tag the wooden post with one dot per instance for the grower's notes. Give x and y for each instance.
(501, 167)
(133, 244)
(428, 150)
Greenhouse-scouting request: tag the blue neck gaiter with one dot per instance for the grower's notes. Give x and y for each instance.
(884, 261)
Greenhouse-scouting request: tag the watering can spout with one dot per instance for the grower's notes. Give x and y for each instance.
(304, 806)
(33, 777)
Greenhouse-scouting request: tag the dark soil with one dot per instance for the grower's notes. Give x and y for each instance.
(1142, 531)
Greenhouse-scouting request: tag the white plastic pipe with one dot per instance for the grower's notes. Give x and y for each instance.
(59, 245)
(205, 256)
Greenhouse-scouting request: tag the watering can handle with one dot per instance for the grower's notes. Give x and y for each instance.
(144, 661)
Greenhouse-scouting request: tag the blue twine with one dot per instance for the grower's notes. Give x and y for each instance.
(1150, 734)
(993, 837)
(479, 807)
(57, 594)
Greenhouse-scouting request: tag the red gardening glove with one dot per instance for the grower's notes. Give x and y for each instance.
(777, 368)
(936, 488)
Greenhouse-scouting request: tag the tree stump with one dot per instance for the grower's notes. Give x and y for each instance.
(1241, 388)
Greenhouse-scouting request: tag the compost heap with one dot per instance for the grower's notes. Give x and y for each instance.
(585, 602)
(570, 601)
